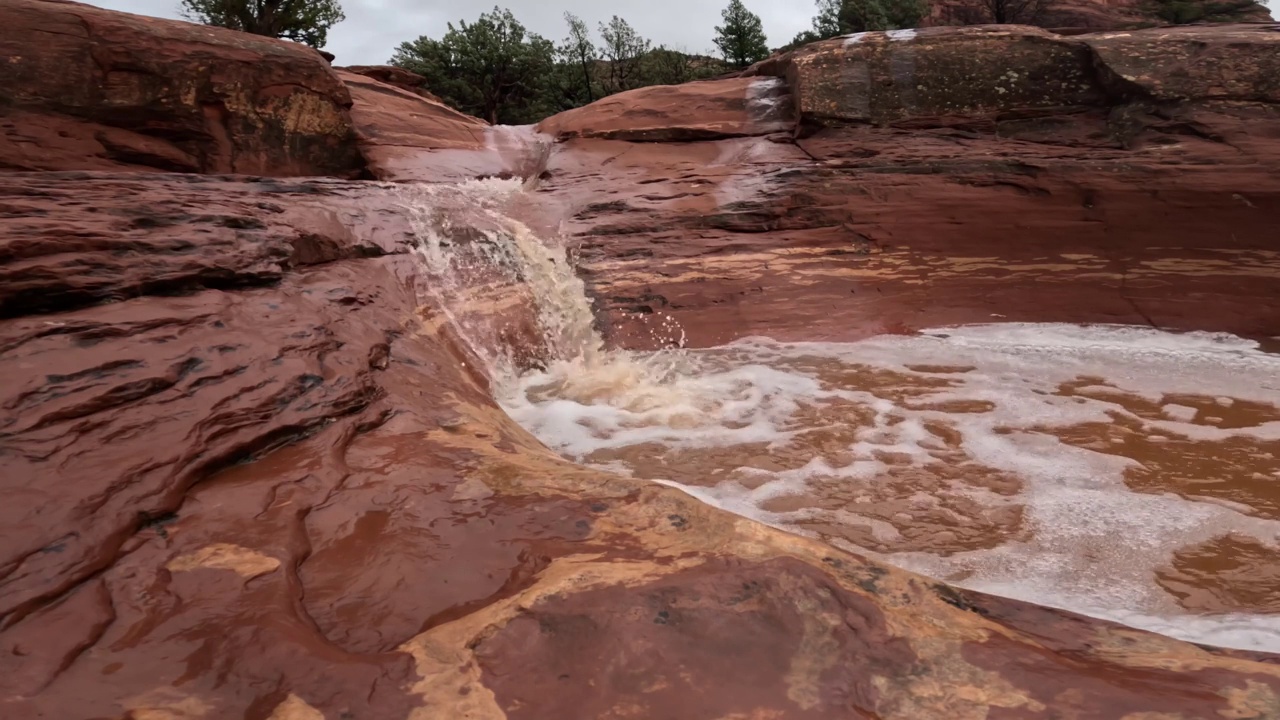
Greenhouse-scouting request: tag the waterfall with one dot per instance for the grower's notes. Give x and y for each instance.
(514, 298)
(1002, 458)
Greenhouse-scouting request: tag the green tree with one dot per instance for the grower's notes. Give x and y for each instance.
(864, 15)
(625, 51)
(666, 66)
(578, 52)
(492, 68)
(304, 21)
(741, 39)
(826, 24)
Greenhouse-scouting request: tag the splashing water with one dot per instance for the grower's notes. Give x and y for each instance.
(1106, 470)
(1125, 473)
(515, 298)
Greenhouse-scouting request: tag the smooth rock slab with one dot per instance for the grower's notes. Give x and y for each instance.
(706, 110)
(87, 88)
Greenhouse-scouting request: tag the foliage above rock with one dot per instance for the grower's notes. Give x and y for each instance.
(492, 68)
(496, 69)
(304, 21)
(741, 39)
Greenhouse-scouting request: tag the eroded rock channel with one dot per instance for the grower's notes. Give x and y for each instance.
(992, 305)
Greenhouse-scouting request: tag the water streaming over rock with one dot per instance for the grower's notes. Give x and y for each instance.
(514, 297)
(1113, 471)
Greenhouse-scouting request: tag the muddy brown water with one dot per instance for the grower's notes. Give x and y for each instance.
(1120, 472)
(1117, 471)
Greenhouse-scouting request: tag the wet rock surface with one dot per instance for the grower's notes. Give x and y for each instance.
(720, 639)
(394, 76)
(403, 134)
(710, 110)
(248, 474)
(1084, 15)
(952, 175)
(91, 89)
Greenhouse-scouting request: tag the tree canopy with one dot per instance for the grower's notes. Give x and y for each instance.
(579, 54)
(304, 21)
(853, 16)
(624, 49)
(496, 69)
(492, 68)
(741, 39)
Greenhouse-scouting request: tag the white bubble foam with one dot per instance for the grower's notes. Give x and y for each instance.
(1093, 546)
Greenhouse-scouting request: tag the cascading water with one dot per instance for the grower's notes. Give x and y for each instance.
(1112, 471)
(482, 263)
(495, 280)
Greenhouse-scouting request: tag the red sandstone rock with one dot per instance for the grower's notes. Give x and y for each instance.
(921, 194)
(1077, 15)
(247, 474)
(969, 73)
(396, 76)
(405, 136)
(286, 497)
(1235, 63)
(107, 90)
(706, 110)
(194, 241)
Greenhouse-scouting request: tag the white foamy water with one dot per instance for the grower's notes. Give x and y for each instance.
(865, 444)
(511, 295)
(485, 269)
(1099, 469)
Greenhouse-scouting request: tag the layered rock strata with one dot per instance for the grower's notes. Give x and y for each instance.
(942, 176)
(91, 89)
(248, 474)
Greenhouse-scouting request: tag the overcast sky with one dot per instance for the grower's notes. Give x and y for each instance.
(374, 28)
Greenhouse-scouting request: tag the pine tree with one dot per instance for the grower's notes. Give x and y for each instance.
(304, 21)
(741, 39)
